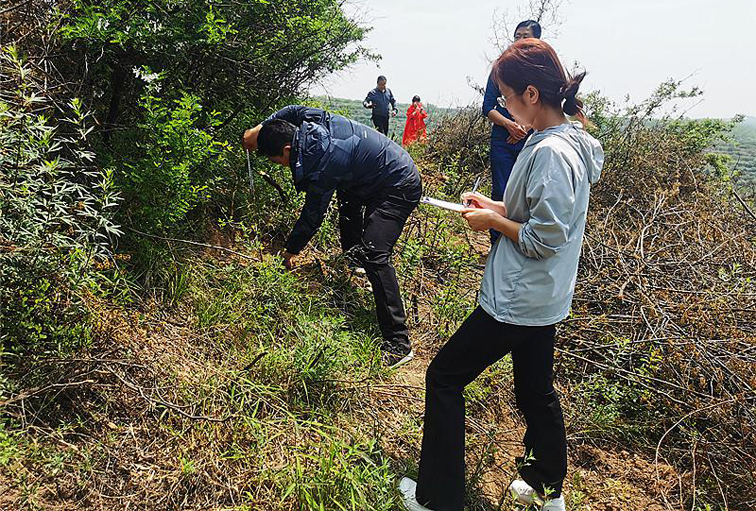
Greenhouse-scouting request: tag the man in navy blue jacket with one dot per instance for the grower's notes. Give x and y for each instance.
(383, 104)
(329, 153)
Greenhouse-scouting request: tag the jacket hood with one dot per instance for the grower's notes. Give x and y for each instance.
(585, 145)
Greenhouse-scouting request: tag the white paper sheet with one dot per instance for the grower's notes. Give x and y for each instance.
(452, 206)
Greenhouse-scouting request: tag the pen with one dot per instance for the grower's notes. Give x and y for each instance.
(475, 188)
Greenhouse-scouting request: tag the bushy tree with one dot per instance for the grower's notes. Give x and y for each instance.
(174, 83)
(56, 211)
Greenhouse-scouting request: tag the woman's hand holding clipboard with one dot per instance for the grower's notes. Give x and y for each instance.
(480, 211)
(451, 206)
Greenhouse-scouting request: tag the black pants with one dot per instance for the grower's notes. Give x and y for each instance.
(479, 342)
(381, 124)
(370, 236)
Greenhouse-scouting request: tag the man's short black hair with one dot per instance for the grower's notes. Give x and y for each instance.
(533, 25)
(381, 79)
(274, 135)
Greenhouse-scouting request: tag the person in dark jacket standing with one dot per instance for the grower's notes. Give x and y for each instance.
(383, 104)
(329, 153)
(507, 137)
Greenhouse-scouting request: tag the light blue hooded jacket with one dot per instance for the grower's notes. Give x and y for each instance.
(531, 282)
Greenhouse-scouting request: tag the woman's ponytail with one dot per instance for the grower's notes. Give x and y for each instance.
(572, 105)
(534, 62)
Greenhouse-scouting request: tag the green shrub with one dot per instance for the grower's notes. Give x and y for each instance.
(55, 214)
(176, 83)
(170, 163)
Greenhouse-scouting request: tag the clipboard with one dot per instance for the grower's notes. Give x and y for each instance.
(451, 206)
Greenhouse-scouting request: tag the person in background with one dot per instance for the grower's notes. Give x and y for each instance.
(383, 104)
(377, 184)
(414, 129)
(527, 288)
(507, 136)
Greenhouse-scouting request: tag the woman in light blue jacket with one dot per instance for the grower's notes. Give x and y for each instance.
(527, 287)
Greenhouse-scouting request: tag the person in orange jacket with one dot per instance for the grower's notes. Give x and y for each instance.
(414, 130)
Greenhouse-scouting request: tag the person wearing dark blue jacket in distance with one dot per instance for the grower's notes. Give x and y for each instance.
(507, 137)
(329, 153)
(383, 104)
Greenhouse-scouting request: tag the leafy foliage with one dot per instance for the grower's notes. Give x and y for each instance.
(667, 149)
(178, 76)
(175, 83)
(56, 211)
(741, 148)
(172, 162)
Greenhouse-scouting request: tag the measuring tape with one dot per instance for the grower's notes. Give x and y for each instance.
(251, 177)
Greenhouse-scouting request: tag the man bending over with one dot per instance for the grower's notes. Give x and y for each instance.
(329, 153)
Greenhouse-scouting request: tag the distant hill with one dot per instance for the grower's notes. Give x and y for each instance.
(742, 149)
(353, 109)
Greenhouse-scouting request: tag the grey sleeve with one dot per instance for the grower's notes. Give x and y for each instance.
(551, 199)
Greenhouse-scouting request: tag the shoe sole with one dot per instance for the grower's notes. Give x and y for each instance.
(409, 356)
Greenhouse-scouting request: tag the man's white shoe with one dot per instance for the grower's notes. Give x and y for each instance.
(407, 488)
(554, 505)
(396, 360)
(525, 494)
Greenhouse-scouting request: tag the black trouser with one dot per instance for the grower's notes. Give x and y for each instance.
(479, 342)
(381, 123)
(371, 237)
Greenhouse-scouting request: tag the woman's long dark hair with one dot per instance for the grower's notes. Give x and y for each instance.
(534, 62)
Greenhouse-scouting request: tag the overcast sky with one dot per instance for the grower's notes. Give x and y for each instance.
(431, 47)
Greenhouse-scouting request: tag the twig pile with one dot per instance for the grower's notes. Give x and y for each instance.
(666, 307)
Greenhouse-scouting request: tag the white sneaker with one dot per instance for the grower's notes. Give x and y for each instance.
(395, 360)
(525, 494)
(554, 505)
(407, 488)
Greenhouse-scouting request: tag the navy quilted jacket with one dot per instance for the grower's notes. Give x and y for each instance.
(329, 153)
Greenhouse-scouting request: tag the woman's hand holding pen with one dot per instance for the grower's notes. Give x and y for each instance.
(483, 213)
(475, 200)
